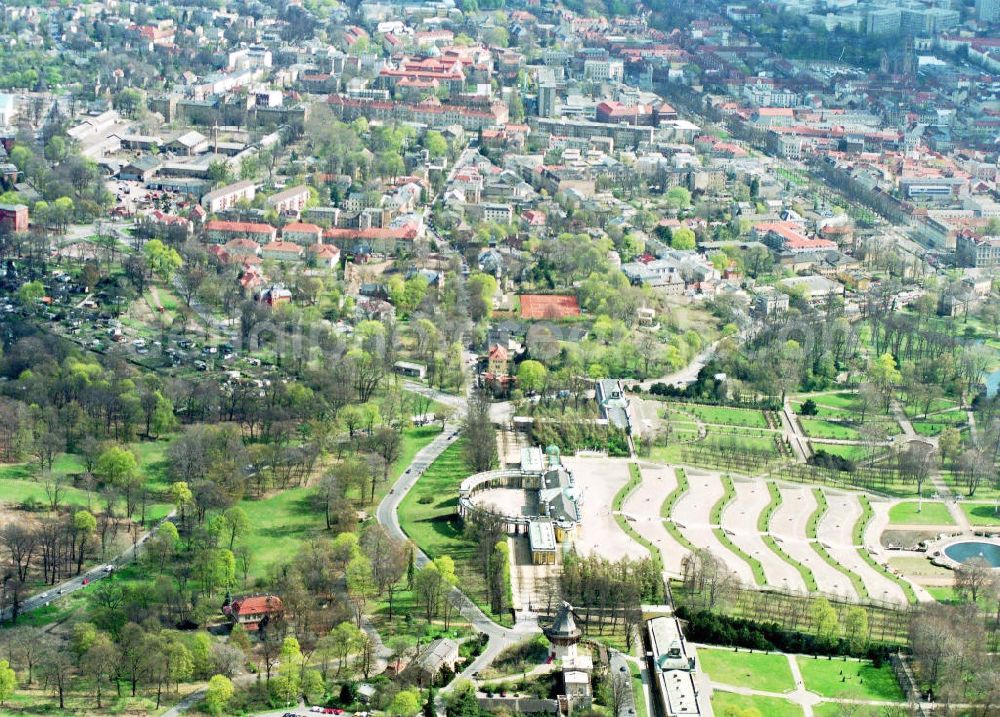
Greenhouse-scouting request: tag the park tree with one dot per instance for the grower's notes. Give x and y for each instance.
(825, 621)
(8, 682)
(406, 703)
(678, 198)
(164, 261)
(116, 466)
(181, 496)
(313, 687)
(218, 694)
(882, 372)
(84, 524)
(618, 691)
(856, 627)
(973, 578)
(949, 443)
(682, 238)
(429, 586)
(480, 437)
(435, 144)
(99, 663)
(30, 293)
(234, 524)
(916, 462)
(531, 376)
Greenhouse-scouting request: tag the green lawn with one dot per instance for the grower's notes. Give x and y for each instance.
(765, 706)
(932, 513)
(823, 428)
(429, 516)
(280, 524)
(984, 491)
(844, 400)
(936, 406)
(943, 593)
(849, 679)
(727, 416)
(758, 670)
(981, 513)
(15, 491)
(851, 453)
(153, 462)
(823, 411)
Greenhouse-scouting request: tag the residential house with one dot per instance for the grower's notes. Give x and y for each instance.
(302, 233)
(219, 231)
(254, 611)
(274, 295)
(324, 255)
(228, 196)
(282, 251)
(440, 654)
(388, 240)
(289, 201)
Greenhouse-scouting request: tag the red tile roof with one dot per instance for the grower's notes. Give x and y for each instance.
(244, 227)
(301, 228)
(257, 605)
(283, 246)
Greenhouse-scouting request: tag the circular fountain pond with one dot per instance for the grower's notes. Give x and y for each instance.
(968, 549)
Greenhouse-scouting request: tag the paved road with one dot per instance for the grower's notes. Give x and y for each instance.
(57, 592)
(683, 377)
(619, 665)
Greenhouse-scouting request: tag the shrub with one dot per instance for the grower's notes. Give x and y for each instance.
(823, 459)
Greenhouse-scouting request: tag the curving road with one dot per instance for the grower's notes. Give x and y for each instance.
(57, 592)
(386, 514)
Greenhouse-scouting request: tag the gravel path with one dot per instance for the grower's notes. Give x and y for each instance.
(740, 519)
(788, 525)
(599, 479)
(643, 506)
(692, 512)
(836, 531)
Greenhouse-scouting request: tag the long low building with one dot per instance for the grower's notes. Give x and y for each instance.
(221, 232)
(228, 196)
(672, 668)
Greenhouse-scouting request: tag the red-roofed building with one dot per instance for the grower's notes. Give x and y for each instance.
(170, 220)
(434, 114)
(497, 375)
(254, 610)
(326, 255)
(219, 231)
(302, 233)
(786, 236)
(774, 115)
(281, 251)
(242, 247)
